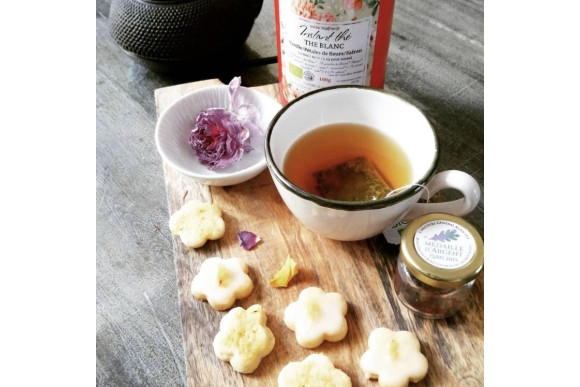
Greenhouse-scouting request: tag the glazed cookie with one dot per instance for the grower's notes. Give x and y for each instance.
(243, 338)
(196, 222)
(394, 358)
(317, 316)
(221, 282)
(315, 370)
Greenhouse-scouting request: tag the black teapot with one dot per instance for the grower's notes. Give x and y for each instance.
(170, 32)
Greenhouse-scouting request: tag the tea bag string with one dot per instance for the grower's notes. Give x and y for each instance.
(397, 190)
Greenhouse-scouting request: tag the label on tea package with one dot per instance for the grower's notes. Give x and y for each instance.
(319, 55)
(444, 244)
(324, 43)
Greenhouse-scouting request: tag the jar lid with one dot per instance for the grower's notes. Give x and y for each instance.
(442, 250)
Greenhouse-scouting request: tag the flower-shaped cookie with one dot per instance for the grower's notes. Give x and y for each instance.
(221, 282)
(317, 316)
(315, 370)
(243, 338)
(394, 358)
(196, 222)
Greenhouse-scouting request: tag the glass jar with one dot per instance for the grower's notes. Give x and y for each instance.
(439, 259)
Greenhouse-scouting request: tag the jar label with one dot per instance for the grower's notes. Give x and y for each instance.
(444, 244)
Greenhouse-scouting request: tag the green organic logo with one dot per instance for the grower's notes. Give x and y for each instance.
(295, 70)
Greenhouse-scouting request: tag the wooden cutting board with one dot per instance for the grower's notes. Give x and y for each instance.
(362, 271)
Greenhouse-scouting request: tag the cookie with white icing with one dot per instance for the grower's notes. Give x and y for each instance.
(317, 316)
(394, 358)
(221, 282)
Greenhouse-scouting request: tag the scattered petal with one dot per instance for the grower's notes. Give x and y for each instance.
(248, 239)
(285, 274)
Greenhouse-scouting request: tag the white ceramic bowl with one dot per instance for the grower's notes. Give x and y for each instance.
(178, 120)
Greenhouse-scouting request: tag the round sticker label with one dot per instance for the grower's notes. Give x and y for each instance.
(444, 244)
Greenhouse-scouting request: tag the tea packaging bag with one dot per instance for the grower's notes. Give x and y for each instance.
(354, 180)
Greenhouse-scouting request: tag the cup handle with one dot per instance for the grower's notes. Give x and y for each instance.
(453, 179)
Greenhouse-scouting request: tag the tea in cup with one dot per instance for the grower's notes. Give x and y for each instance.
(350, 161)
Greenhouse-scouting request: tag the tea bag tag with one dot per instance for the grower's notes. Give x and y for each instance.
(393, 233)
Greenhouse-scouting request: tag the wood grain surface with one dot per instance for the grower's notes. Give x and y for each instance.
(362, 271)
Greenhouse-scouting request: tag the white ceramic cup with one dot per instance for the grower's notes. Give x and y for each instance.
(402, 122)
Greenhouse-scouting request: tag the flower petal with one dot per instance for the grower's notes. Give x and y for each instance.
(233, 88)
(248, 239)
(285, 274)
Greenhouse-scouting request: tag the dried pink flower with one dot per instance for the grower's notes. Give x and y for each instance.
(222, 136)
